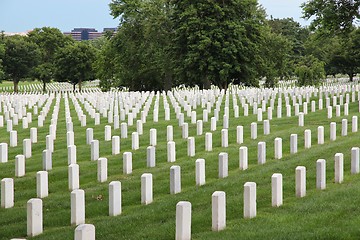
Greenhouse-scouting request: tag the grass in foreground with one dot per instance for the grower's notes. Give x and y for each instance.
(329, 214)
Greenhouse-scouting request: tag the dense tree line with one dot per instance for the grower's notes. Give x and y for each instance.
(46, 54)
(166, 43)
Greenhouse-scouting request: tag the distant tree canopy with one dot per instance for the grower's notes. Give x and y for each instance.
(293, 32)
(309, 71)
(142, 45)
(336, 16)
(2, 53)
(346, 59)
(49, 41)
(165, 42)
(74, 63)
(106, 66)
(276, 52)
(217, 42)
(20, 58)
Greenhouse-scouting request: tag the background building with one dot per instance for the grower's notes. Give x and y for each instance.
(81, 34)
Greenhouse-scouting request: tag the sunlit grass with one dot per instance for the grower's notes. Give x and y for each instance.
(329, 214)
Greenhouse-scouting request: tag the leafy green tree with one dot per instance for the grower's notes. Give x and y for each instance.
(347, 58)
(276, 56)
(98, 43)
(142, 45)
(336, 16)
(107, 66)
(74, 63)
(340, 54)
(49, 40)
(309, 71)
(21, 56)
(324, 48)
(108, 34)
(296, 35)
(217, 41)
(2, 53)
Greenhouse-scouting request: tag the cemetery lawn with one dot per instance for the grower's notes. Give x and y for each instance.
(333, 213)
(6, 83)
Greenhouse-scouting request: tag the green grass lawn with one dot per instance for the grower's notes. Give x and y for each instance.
(9, 85)
(333, 213)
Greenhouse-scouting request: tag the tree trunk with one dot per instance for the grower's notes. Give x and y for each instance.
(16, 85)
(80, 82)
(168, 81)
(223, 84)
(207, 83)
(44, 87)
(351, 76)
(74, 84)
(132, 85)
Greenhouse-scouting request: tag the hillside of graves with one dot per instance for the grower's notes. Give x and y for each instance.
(249, 163)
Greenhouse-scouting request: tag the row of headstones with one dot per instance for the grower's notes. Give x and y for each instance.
(41, 176)
(16, 117)
(122, 115)
(332, 89)
(200, 163)
(33, 137)
(113, 104)
(251, 94)
(293, 139)
(183, 209)
(340, 80)
(26, 120)
(259, 115)
(112, 118)
(122, 101)
(191, 140)
(208, 135)
(13, 134)
(27, 146)
(261, 95)
(47, 162)
(135, 137)
(226, 121)
(30, 87)
(49, 86)
(115, 118)
(264, 103)
(289, 113)
(17, 102)
(116, 121)
(199, 123)
(60, 86)
(259, 111)
(184, 126)
(312, 104)
(171, 152)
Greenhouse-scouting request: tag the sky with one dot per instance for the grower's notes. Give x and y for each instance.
(284, 9)
(24, 15)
